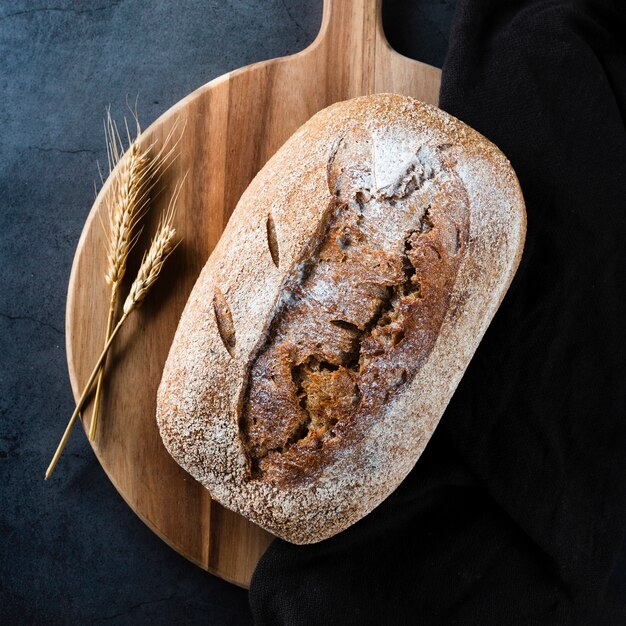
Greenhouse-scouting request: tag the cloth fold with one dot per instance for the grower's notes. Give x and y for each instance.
(516, 511)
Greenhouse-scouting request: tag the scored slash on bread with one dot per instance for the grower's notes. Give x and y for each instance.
(337, 314)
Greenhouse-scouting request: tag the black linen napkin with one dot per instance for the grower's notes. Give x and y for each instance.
(516, 511)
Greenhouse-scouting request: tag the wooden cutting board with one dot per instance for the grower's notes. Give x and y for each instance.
(233, 126)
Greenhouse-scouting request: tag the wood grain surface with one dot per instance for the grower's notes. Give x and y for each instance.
(232, 126)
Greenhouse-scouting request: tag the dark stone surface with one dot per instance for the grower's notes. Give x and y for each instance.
(71, 551)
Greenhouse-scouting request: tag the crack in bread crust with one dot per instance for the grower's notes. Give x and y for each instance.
(359, 317)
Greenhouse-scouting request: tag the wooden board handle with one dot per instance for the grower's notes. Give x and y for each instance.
(352, 27)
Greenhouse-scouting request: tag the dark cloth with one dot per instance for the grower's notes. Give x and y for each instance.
(516, 511)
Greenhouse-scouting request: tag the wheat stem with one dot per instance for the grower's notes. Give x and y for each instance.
(97, 398)
(83, 397)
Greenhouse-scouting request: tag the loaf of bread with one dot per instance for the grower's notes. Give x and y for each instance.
(338, 312)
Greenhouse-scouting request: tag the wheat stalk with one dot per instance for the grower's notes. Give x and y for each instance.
(160, 249)
(134, 175)
(126, 202)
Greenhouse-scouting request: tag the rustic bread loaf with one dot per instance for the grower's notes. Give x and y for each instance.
(334, 319)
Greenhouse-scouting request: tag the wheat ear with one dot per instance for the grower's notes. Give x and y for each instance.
(161, 247)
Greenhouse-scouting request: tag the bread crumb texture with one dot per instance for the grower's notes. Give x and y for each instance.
(337, 314)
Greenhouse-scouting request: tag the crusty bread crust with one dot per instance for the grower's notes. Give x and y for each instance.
(242, 288)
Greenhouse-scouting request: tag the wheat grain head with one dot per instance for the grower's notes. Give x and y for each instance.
(161, 247)
(126, 200)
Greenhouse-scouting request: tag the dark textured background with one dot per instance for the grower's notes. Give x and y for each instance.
(71, 551)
